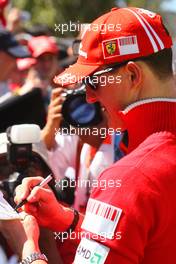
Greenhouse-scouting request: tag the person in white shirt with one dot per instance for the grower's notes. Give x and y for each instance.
(79, 158)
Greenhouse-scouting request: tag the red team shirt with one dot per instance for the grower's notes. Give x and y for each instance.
(134, 220)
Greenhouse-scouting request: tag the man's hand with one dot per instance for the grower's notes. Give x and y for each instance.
(43, 205)
(54, 118)
(22, 236)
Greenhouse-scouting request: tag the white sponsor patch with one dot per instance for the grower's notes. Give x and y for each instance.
(90, 251)
(101, 218)
(128, 45)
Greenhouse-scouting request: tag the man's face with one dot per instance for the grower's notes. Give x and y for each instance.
(47, 65)
(112, 95)
(123, 86)
(7, 64)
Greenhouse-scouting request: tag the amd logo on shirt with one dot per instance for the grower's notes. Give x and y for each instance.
(90, 251)
(87, 254)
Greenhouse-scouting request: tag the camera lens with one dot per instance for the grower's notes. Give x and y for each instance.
(78, 113)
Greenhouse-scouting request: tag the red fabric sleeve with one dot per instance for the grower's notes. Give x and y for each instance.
(140, 222)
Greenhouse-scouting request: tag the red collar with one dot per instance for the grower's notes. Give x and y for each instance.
(149, 116)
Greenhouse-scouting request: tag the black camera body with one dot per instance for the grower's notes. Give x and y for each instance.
(20, 158)
(19, 146)
(77, 112)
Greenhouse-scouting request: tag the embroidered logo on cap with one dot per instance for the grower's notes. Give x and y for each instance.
(90, 251)
(101, 218)
(120, 46)
(111, 47)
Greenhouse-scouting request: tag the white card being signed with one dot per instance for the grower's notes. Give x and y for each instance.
(6, 210)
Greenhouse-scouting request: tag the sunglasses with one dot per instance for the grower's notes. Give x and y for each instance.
(93, 80)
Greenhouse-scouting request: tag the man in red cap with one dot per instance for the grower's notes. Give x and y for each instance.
(10, 50)
(134, 223)
(45, 50)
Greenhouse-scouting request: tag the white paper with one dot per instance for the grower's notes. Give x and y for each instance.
(6, 210)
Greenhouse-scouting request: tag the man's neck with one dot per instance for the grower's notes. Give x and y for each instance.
(154, 87)
(149, 116)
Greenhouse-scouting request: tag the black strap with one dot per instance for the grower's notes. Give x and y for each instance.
(64, 235)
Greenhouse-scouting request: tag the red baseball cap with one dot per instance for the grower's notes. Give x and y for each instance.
(42, 44)
(120, 35)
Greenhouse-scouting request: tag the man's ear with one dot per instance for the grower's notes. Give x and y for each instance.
(135, 73)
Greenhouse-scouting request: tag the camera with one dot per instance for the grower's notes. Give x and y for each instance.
(21, 155)
(77, 112)
(19, 146)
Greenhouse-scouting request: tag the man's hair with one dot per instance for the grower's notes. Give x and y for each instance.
(160, 63)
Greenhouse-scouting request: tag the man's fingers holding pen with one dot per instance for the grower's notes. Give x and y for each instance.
(23, 190)
(39, 194)
(38, 197)
(43, 205)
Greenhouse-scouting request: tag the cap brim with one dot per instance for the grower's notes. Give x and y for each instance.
(18, 51)
(75, 74)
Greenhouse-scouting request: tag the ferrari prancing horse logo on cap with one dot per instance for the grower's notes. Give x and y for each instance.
(120, 46)
(111, 47)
